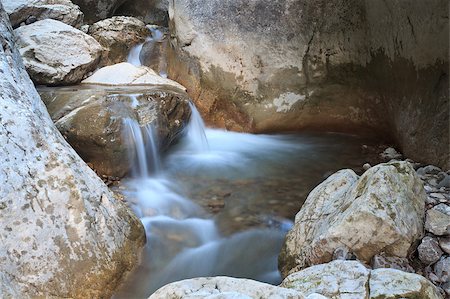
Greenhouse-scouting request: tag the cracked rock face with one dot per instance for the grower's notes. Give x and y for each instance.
(22, 11)
(381, 211)
(55, 53)
(284, 65)
(63, 233)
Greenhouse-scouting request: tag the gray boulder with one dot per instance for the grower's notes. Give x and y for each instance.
(22, 11)
(55, 53)
(382, 211)
(151, 11)
(63, 233)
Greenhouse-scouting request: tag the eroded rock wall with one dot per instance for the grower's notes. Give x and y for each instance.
(63, 233)
(344, 65)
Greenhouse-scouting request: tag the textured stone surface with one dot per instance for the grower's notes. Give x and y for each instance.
(118, 35)
(337, 279)
(268, 65)
(438, 220)
(92, 120)
(442, 270)
(351, 280)
(444, 243)
(129, 75)
(62, 10)
(391, 283)
(95, 10)
(380, 211)
(224, 288)
(56, 53)
(63, 232)
(382, 261)
(429, 251)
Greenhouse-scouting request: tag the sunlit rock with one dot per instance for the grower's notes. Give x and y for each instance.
(26, 11)
(55, 53)
(223, 287)
(63, 233)
(118, 35)
(350, 279)
(129, 75)
(333, 280)
(391, 283)
(383, 210)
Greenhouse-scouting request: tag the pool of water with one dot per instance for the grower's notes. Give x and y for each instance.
(222, 202)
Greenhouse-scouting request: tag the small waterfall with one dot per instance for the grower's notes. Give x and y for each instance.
(143, 142)
(195, 135)
(151, 53)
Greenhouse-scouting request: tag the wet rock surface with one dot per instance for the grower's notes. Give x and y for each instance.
(63, 233)
(55, 53)
(95, 10)
(29, 11)
(92, 120)
(118, 35)
(151, 11)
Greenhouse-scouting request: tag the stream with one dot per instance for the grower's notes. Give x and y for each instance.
(220, 203)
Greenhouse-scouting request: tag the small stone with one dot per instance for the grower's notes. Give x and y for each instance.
(390, 153)
(382, 261)
(366, 166)
(429, 251)
(437, 195)
(438, 220)
(445, 182)
(445, 244)
(430, 169)
(431, 201)
(442, 269)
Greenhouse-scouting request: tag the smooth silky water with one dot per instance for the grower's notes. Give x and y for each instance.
(220, 203)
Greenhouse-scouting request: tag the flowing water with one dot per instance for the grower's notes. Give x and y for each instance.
(220, 203)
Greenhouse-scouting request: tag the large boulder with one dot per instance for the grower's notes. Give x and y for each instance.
(351, 279)
(129, 75)
(55, 53)
(348, 65)
(93, 118)
(382, 211)
(223, 287)
(118, 35)
(63, 233)
(26, 11)
(95, 10)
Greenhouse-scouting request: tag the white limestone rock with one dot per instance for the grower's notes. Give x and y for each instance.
(337, 279)
(129, 75)
(20, 11)
(224, 288)
(63, 234)
(392, 283)
(382, 211)
(55, 53)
